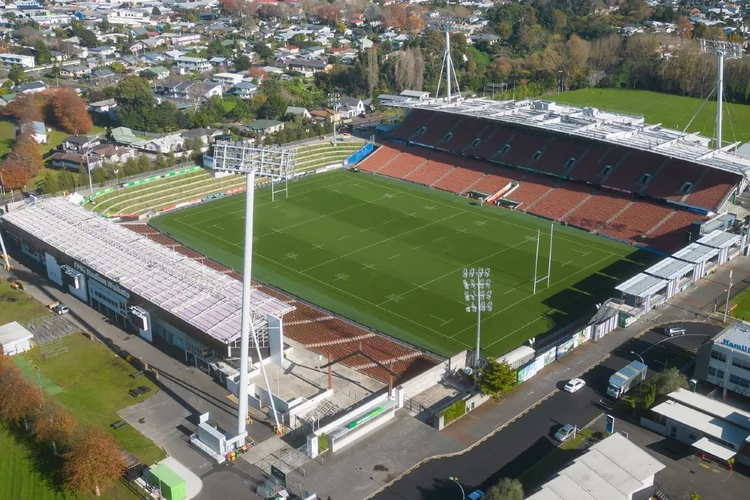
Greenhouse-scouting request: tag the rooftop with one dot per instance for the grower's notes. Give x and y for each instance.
(719, 239)
(642, 285)
(670, 269)
(735, 336)
(696, 253)
(204, 298)
(708, 425)
(592, 124)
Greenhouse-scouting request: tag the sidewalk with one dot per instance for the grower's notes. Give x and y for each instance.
(363, 469)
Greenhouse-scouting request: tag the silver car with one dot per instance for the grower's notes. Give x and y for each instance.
(567, 432)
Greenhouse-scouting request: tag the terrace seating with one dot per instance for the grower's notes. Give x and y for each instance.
(531, 188)
(630, 174)
(671, 235)
(462, 177)
(436, 129)
(463, 134)
(380, 157)
(414, 121)
(634, 223)
(496, 138)
(589, 168)
(597, 210)
(494, 181)
(556, 156)
(672, 178)
(523, 146)
(713, 189)
(404, 163)
(433, 169)
(561, 201)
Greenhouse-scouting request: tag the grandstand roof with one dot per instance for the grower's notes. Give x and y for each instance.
(594, 124)
(206, 299)
(719, 239)
(670, 269)
(642, 285)
(696, 253)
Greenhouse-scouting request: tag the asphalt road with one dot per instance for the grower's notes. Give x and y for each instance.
(519, 446)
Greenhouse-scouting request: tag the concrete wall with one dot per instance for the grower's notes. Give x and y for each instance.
(653, 426)
(435, 374)
(339, 443)
(301, 408)
(54, 273)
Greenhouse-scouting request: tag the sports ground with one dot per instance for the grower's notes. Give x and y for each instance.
(671, 111)
(389, 254)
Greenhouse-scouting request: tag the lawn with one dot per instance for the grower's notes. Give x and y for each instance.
(30, 472)
(389, 254)
(95, 384)
(670, 110)
(740, 306)
(22, 310)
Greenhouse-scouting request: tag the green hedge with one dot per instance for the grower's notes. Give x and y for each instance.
(322, 443)
(454, 411)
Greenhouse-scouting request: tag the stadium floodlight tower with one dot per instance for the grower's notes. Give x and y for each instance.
(446, 24)
(274, 163)
(334, 101)
(478, 296)
(722, 50)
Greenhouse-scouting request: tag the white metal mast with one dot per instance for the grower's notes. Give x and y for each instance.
(274, 163)
(722, 50)
(448, 68)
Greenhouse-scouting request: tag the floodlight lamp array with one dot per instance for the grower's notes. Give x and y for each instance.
(728, 50)
(477, 289)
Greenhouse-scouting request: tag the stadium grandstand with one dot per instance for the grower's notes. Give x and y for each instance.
(610, 174)
(152, 285)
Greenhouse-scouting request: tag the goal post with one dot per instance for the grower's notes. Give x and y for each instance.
(540, 279)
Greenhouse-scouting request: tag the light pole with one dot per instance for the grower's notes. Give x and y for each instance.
(117, 179)
(88, 167)
(334, 101)
(643, 374)
(729, 290)
(455, 480)
(478, 297)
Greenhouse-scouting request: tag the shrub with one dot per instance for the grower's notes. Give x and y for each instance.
(322, 443)
(649, 395)
(454, 411)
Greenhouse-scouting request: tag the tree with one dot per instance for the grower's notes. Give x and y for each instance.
(66, 181)
(93, 462)
(104, 25)
(50, 184)
(274, 107)
(395, 16)
(144, 164)
(669, 381)
(155, 11)
(242, 63)
(87, 38)
(135, 103)
(42, 52)
(506, 489)
(262, 50)
(497, 378)
(53, 424)
(17, 74)
(14, 174)
(71, 112)
(26, 152)
(372, 69)
(26, 108)
(18, 398)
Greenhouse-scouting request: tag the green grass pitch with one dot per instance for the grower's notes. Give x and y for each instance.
(671, 111)
(389, 254)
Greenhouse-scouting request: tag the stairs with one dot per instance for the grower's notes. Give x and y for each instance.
(580, 204)
(619, 213)
(654, 175)
(661, 223)
(615, 167)
(406, 177)
(696, 185)
(544, 195)
(444, 175)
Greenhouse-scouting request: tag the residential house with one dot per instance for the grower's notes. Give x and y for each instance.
(31, 87)
(227, 79)
(103, 51)
(265, 127)
(17, 59)
(157, 73)
(487, 38)
(314, 51)
(418, 95)
(74, 161)
(193, 64)
(204, 134)
(36, 129)
(6, 99)
(174, 55)
(351, 107)
(185, 40)
(298, 111)
(168, 144)
(77, 71)
(79, 143)
(243, 90)
(109, 153)
(218, 61)
(309, 67)
(124, 135)
(102, 74)
(103, 106)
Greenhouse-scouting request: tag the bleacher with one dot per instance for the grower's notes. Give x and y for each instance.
(633, 172)
(404, 163)
(436, 130)
(556, 157)
(521, 148)
(463, 134)
(713, 189)
(561, 201)
(320, 332)
(435, 168)
(459, 180)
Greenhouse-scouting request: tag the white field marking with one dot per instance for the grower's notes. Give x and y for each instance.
(462, 267)
(378, 243)
(497, 217)
(393, 256)
(241, 199)
(386, 223)
(344, 237)
(341, 276)
(531, 295)
(394, 297)
(430, 207)
(418, 286)
(357, 297)
(418, 247)
(481, 222)
(319, 246)
(442, 237)
(566, 263)
(214, 225)
(368, 266)
(291, 255)
(581, 252)
(389, 195)
(443, 321)
(307, 221)
(277, 205)
(363, 230)
(462, 230)
(413, 214)
(514, 331)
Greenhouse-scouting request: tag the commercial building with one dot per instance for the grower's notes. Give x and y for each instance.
(17, 59)
(613, 469)
(725, 361)
(147, 288)
(712, 427)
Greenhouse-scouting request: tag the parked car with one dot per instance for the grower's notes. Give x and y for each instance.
(566, 432)
(61, 309)
(574, 385)
(475, 495)
(675, 330)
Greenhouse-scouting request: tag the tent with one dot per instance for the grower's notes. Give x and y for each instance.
(14, 338)
(172, 485)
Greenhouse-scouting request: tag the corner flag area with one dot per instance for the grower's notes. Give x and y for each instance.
(389, 254)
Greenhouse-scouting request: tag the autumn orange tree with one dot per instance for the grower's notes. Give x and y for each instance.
(25, 108)
(93, 462)
(19, 400)
(53, 424)
(14, 174)
(69, 112)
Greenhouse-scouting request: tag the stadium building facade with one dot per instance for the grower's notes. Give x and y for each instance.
(143, 286)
